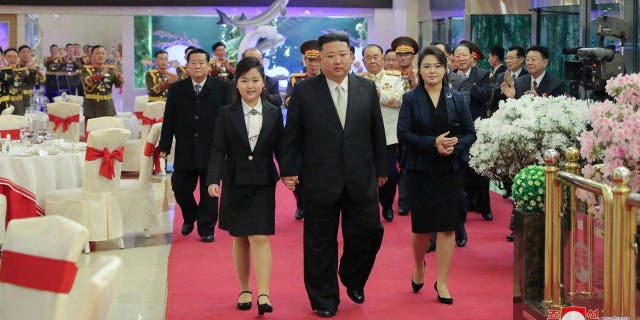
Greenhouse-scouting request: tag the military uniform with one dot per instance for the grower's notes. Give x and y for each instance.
(5, 78)
(98, 84)
(158, 84)
(404, 45)
(223, 70)
(31, 77)
(54, 76)
(182, 72)
(310, 49)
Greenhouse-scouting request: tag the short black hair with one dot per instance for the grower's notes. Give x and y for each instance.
(446, 46)
(372, 45)
(188, 48)
(93, 48)
(497, 51)
(197, 50)
(519, 50)
(332, 37)
(53, 45)
(159, 52)
(217, 44)
(245, 65)
(388, 50)
(23, 47)
(9, 50)
(542, 49)
(68, 44)
(442, 59)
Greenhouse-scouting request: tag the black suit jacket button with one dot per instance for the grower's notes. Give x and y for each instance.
(196, 117)
(250, 157)
(195, 135)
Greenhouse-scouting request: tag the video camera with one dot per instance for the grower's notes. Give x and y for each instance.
(594, 66)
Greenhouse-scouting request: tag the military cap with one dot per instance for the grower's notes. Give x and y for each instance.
(310, 49)
(475, 50)
(404, 44)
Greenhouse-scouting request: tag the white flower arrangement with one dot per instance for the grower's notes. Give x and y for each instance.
(522, 129)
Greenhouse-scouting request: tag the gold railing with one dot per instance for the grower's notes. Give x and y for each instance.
(620, 249)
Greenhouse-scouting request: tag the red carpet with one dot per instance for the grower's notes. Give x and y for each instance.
(203, 285)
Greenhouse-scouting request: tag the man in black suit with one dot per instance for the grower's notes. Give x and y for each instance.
(496, 61)
(190, 115)
(476, 186)
(334, 123)
(270, 84)
(538, 81)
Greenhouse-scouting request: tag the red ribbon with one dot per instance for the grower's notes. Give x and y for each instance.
(106, 168)
(138, 114)
(38, 273)
(151, 121)
(15, 134)
(64, 122)
(150, 150)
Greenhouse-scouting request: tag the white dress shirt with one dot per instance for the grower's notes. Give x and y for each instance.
(253, 121)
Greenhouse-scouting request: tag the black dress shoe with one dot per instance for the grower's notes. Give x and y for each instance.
(387, 214)
(511, 236)
(417, 286)
(207, 238)
(441, 299)
(264, 307)
(356, 296)
(326, 313)
(507, 194)
(487, 215)
(187, 228)
(244, 305)
(461, 236)
(299, 213)
(402, 212)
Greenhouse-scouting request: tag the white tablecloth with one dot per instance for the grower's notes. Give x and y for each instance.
(35, 176)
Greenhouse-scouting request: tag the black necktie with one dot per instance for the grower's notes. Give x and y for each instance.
(197, 87)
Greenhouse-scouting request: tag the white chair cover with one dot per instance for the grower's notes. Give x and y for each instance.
(7, 111)
(136, 197)
(104, 123)
(3, 216)
(65, 110)
(138, 108)
(43, 237)
(153, 113)
(100, 289)
(12, 123)
(69, 98)
(93, 206)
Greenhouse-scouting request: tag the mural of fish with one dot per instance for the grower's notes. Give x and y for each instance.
(276, 9)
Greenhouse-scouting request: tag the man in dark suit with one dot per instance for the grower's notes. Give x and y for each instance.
(270, 84)
(496, 61)
(476, 186)
(538, 81)
(190, 115)
(334, 123)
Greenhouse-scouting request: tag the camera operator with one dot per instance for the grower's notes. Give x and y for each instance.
(538, 81)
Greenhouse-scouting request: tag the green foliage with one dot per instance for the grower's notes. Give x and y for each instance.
(529, 189)
(142, 48)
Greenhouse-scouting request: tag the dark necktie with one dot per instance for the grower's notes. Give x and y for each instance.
(197, 87)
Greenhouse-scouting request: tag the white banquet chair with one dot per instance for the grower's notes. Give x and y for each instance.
(11, 124)
(3, 216)
(94, 205)
(104, 123)
(138, 107)
(100, 289)
(8, 110)
(136, 197)
(39, 267)
(153, 113)
(64, 120)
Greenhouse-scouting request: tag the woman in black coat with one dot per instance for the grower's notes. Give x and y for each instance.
(435, 126)
(246, 138)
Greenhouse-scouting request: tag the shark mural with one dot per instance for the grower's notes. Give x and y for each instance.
(276, 9)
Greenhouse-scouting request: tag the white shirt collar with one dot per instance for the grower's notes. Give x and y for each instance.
(193, 83)
(246, 109)
(468, 73)
(538, 79)
(517, 73)
(332, 84)
(496, 68)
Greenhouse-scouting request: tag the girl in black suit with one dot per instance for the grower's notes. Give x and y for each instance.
(435, 126)
(247, 135)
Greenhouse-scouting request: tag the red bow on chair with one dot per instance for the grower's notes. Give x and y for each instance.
(64, 122)
(138, 114)
(106, 168)
(151, 150)
(15, 134)
(151, 121)
(36, 272)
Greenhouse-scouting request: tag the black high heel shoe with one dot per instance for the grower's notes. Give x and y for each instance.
(417, 286)
(244, 305)
(264, 307)
(441, 299)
